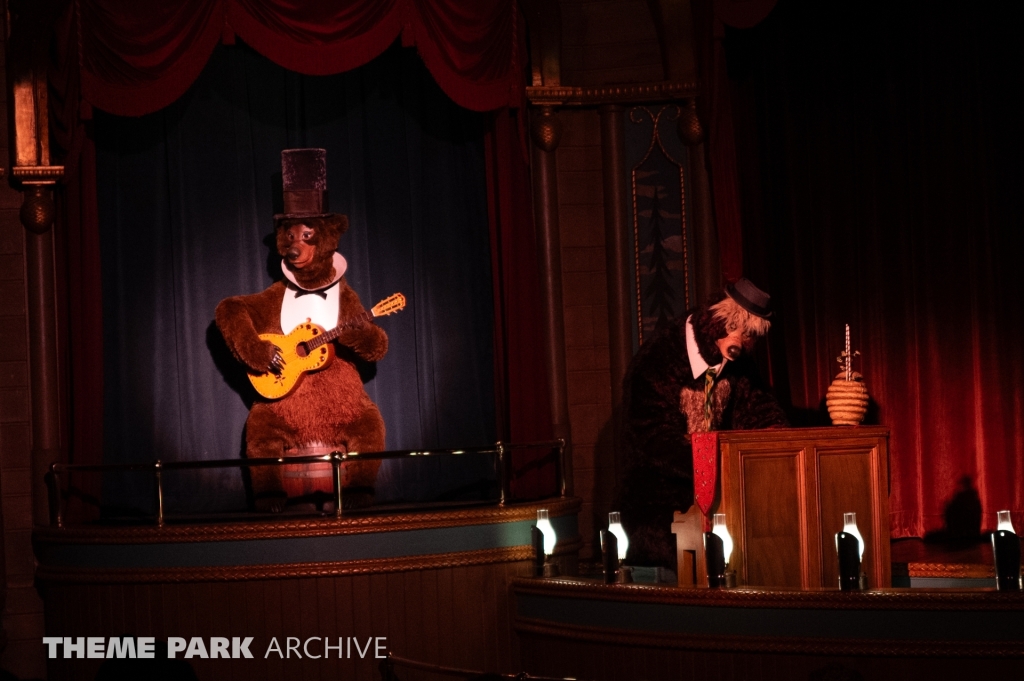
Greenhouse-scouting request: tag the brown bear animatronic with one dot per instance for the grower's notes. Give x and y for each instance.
(329, 409)
(693, 375)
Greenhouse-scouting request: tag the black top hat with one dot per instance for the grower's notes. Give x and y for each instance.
(304, 182)
(750, 297)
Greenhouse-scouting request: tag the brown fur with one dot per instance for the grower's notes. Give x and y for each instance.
(664, 405)
(325, 239)
(735, 317)
(329, 406)
(691, 404)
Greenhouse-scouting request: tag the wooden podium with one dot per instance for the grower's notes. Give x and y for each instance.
(784, 493)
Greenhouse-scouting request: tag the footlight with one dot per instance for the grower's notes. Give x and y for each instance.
(625, 574)
(1006, 552)
(850, 548)
(544, 540)
(717, 552)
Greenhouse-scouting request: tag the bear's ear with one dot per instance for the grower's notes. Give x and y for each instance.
(331, 228)
(327, 233)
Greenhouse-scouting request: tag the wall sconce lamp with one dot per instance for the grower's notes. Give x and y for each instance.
(1006, 552)
(544, 540)
(850, 549)
(717, 552)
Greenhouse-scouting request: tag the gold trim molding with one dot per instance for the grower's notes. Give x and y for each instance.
(629, 638)
(229, 573)
(286, 570)
(37, 174)
(310, 527)
(796, 599)
(662, 91)
(950, 571)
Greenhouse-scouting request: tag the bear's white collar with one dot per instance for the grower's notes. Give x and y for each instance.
(340, 265)
(697, 364)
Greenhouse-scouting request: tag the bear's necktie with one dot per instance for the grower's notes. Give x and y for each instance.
(709, 383)
(303, 292)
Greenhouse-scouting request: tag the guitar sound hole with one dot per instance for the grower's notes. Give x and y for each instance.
(301, 349)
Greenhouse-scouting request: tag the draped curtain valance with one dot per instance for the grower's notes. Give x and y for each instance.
(137, 57)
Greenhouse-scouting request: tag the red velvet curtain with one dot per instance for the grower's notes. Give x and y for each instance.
(711, 18)
(524, 414)
(881, 177)
(132, 58)
(82, 286)
(137, 57)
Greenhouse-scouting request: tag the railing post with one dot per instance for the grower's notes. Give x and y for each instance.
(560, 463)
(505, 464)
(53, 491)
(336, 459)
(54, 501)
(157, 467)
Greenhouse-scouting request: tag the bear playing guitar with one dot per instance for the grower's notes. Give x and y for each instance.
(308, 347)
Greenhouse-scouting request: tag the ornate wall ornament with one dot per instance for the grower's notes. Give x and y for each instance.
(688, 126)
(662, 91)
(661, 237)
(38, 210)
(546, 129)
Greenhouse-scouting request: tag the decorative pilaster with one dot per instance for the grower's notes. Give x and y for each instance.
(27, 41)
(618, 255)
(37, 216)
(32, 173)
(546, 133)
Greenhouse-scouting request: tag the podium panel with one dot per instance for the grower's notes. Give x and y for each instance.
(784, 493)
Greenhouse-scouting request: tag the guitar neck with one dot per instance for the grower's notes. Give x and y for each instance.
(329, 336)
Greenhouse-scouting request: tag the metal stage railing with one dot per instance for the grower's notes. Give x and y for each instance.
(503, 450)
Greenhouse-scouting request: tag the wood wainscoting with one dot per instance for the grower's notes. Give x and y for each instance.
(434, 584)
(609, 632)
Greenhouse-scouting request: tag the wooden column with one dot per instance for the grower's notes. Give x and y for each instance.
(32, 173)
(27, 42)
(546, 132)
(618, 254)
(37, 214)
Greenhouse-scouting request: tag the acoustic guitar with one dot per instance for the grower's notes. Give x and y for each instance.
(308, 348)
